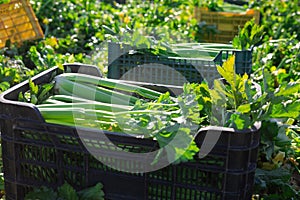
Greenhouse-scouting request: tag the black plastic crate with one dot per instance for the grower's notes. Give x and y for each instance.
(125, 65)
(36, 153)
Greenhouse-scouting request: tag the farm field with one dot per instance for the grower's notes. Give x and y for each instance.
(80, 31)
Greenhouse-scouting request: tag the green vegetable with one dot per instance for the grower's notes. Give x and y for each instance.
(52, 101)
(112, 84)
(241, 103)
(65, 113)
(87, 105)
(92, 93)
(161, 117)
(250, 35)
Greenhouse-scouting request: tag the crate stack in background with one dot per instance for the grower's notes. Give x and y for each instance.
(223, 26)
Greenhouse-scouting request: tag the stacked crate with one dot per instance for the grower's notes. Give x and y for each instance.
(18, 23)
(226, 24)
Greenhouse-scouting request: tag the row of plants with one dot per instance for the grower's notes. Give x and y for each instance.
(277, 60)
(76, 31)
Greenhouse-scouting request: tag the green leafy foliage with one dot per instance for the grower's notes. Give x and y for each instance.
(280, 58)
(92, 193)
(4, 1)
(250, 35)
(237, 102)
(11, 72)
(280, 18)
(212, 5)
(174, 130)
(141, 41)
(42, 193)
(242, 102)
(67, 192)
(36, 93)
(219, 5)
(276, 180)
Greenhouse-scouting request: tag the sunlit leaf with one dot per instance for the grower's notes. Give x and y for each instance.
(33, 88)
(290, 89)
(227, 70)
(245, 108)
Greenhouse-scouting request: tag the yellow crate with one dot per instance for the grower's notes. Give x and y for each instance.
(18, 22)
(227, 23)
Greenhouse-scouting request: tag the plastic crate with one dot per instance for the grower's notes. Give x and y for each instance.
(36, 153)
(18, 22)
(122, 64)
(227, 24)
